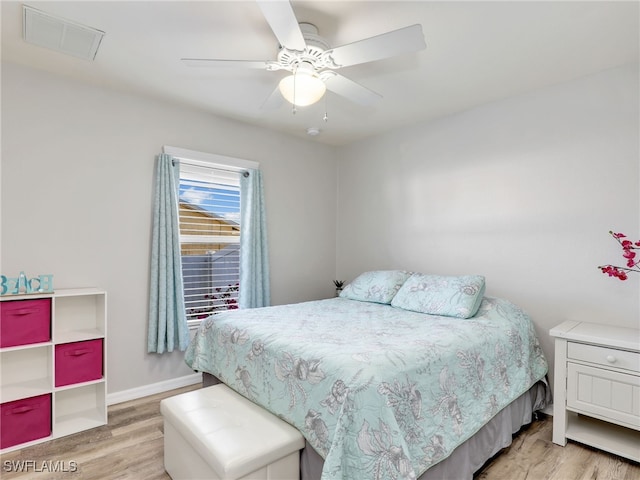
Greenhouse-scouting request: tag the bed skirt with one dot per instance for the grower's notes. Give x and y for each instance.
(470, 455)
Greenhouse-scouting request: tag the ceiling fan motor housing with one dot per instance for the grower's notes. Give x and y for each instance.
(313, 54)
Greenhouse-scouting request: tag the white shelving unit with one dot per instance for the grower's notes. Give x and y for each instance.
(597, 387)
(26, 371)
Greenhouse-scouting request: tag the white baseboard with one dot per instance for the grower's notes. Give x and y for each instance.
(152, 389)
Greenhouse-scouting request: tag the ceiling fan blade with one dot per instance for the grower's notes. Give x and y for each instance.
(349, 89)
(283, 22)
(210, 62)
(386, 45)
(273, 101)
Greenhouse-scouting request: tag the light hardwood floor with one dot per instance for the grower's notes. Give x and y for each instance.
(130, 447)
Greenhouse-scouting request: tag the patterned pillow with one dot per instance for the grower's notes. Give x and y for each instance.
(378, 286)
(441, 295)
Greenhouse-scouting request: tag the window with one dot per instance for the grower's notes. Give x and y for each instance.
(209, 215)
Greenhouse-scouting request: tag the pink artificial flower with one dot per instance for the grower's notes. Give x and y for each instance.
(628, 246)
(614, 272)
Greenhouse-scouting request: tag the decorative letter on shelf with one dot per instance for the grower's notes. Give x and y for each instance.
(23, 285)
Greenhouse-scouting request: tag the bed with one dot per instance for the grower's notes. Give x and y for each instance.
(403, 376)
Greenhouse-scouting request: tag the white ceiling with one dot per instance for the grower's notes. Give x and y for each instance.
(477, 52)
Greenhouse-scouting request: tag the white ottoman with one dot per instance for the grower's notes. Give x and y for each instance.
(215, 433)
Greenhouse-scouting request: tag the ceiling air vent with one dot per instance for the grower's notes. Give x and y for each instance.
(45, 30)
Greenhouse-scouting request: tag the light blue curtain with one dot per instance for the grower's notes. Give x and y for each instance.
(167, 319)
(254, 258)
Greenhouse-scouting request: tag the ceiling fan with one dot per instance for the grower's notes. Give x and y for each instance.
(312, 62)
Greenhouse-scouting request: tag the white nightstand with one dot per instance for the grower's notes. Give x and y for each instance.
(597, 387)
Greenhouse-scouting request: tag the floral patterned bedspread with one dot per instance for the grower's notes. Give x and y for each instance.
(378, 391)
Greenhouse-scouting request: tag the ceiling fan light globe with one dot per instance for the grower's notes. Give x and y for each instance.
(302, 89)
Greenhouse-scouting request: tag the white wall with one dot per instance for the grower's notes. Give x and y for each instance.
(77, 173)
(523, 191)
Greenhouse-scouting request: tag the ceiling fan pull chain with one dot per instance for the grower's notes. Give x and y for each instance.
(293, 105)
(325, 117)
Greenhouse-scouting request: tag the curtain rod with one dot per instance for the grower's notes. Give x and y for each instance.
(212, 160)
(214, 166)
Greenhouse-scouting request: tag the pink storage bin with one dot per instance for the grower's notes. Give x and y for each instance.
(25, 321)
(25, 420)
(78, 362)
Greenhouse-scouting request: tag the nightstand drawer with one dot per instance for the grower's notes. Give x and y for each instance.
(604, 393)
(608, 357)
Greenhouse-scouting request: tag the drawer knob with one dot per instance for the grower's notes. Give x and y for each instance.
(611, 359)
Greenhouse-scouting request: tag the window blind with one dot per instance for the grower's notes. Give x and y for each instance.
(209, 213)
